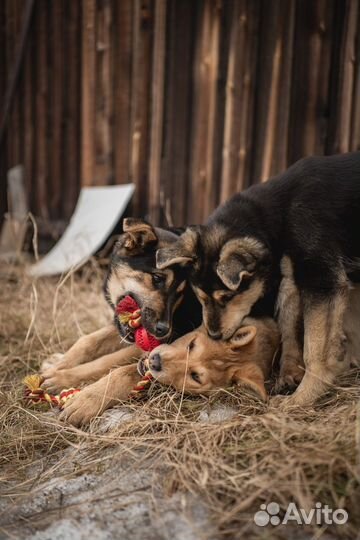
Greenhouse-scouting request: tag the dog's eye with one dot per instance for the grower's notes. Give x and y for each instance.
(225, 298)
(158, 279)
(191, 345)
(195, 376)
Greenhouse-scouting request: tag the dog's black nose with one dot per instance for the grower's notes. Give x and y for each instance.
(161, 329)
(155, 362)
(214, 335)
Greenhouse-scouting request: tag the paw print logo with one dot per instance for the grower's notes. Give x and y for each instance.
(267, 514)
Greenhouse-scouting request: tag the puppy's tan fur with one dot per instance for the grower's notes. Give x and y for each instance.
(197, 364)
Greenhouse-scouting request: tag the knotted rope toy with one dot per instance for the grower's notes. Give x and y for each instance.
(36, 394)
(129, 313)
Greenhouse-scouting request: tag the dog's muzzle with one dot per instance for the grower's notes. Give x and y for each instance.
(154, 362)
(142, 366)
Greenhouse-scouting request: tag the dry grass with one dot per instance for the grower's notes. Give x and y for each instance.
(261, 455)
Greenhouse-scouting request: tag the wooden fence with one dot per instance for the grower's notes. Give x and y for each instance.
(192, 100)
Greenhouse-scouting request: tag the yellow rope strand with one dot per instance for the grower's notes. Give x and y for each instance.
(36, 394)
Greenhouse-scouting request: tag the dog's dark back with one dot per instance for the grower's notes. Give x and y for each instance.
(318, 189)
(311, 209)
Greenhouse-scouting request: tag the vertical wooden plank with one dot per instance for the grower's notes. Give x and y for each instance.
(123, 27)
(203, 191)
(211, 60)
(157, 105)
(240, 89)
(10, 35)
(177, 114)
(355, 126)
(56, 93)
(103, 95)
(140, 106)
(225, 16)
(272, 99)
(280, 148)
(71, 108)
(200, 116)
(3, 51)
(310, 82)
(212, 63)
(41, 111)
(3, 78)
(30, 118)
(343, 79)
(15, 113)
(88, 92)
(21, 90)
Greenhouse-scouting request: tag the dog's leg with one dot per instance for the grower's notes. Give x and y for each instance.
(93, 400)
(324, 343)
(90, 371)
(103, 341)
(289, 318)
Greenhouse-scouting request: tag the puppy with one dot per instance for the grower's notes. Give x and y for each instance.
(297, 234)
(158, 293)
(197, 364)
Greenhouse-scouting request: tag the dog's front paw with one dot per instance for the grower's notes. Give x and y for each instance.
(279, 401)
(83, 407)
(291, 375)
(56, 380)
(284, 403)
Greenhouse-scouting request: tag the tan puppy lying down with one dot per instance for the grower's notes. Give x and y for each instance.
(194, 363)
(197, 364)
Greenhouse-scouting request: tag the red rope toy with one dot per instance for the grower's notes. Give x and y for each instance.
(129, 313)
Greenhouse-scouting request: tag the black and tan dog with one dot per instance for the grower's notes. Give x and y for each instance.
(298, 237)
(169, 309)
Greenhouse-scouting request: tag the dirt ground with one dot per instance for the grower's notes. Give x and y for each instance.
(170, 466)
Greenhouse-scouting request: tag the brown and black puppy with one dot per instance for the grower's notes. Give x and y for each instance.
(197, 364)
(298, 232)
(159, 293)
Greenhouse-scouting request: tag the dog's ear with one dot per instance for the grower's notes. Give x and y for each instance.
(171, 256)
(243, 336)
(165, 237)
(181, 253)
(238, 259)
(231, 273)
(138, 235)
(251, 376)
